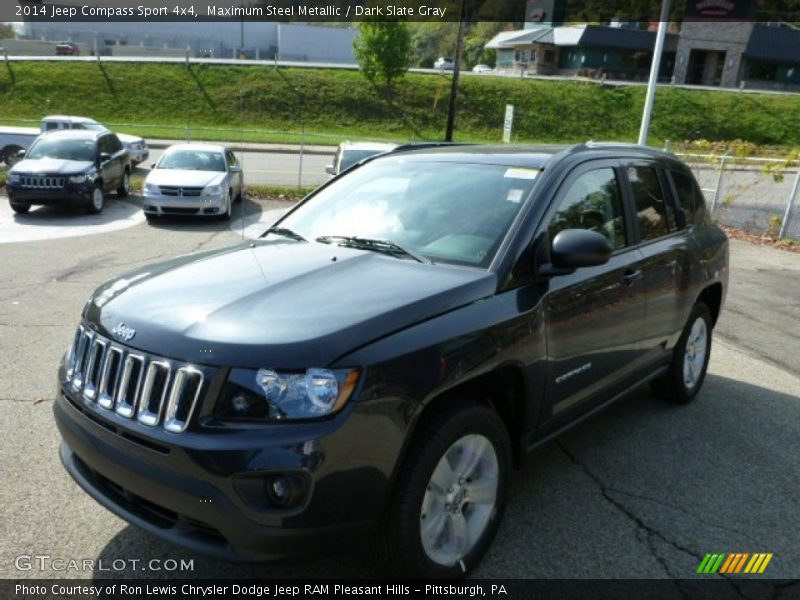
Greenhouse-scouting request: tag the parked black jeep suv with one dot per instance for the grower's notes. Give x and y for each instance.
(70, 168)
(385, 353)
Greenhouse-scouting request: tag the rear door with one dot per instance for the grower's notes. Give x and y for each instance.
(594, 317)
(668, 254)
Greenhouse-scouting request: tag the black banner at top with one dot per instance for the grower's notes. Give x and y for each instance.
(552, 11)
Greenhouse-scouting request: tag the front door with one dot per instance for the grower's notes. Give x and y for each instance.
(594, 318)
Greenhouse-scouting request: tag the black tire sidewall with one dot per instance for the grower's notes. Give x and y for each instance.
(20, 209)
(417, 469)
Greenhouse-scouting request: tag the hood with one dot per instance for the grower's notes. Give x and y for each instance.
(129, 139)
(184, 178)
(278, 304)
(51, 166)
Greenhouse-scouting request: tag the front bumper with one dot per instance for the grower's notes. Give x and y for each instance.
(185, 488)
(182, 205)
(71, 195)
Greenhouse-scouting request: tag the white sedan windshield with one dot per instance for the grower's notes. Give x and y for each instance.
(445, 211)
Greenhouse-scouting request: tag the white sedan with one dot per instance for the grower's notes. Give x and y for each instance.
(193, 179)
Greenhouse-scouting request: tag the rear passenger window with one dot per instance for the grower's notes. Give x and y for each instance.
(655, 214)
(689, 196)
(592, 202)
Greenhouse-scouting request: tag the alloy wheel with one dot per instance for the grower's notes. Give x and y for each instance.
(459, 500)
(695, 354)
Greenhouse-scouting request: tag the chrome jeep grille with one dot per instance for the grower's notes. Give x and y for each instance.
(150, 389)
(42, 182)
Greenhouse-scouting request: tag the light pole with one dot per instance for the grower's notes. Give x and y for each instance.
(451, 109)
(655, 65)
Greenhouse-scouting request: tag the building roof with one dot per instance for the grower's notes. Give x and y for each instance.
(774, 44)
(583, 35)
(624, 39)
(510, 39)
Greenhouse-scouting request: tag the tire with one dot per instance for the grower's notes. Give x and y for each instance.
(431, 497)
(97, 202)
(150, 218)
(125, 186)
(20, 209)
(10, 156)
(226, 216)
(687, 370)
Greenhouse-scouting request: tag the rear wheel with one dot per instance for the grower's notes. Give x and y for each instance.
(20, 209)
(687, 371)
(97, 201)
(450, 495)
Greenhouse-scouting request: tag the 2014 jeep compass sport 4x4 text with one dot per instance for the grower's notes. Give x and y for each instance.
(379, 360)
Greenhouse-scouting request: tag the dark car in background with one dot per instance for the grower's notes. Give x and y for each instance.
(378, 362)
(70, 168)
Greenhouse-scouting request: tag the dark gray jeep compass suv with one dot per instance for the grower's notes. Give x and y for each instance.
(381, 358)
(70, 168)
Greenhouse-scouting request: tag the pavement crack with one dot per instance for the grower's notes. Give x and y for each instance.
(33, 401)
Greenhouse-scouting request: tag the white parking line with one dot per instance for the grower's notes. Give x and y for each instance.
(45, 222)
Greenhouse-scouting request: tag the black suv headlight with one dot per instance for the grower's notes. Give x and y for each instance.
(270, 395)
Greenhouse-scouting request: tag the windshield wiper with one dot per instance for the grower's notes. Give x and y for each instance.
(384, 246)
(285, 232)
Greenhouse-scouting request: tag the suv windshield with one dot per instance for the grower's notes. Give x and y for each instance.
(444, 211)
(193, 160)
(69, 149)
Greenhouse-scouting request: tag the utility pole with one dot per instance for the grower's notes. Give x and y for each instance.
(655, 65)
(451, 111)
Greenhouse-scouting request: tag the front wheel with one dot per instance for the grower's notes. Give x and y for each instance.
(20, 209)
(97, 201)
(687, 371)
(451, 495)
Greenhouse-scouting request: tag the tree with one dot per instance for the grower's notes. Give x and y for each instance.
(7, 31)
(383, 50)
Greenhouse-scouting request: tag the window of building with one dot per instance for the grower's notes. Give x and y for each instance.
(762, 71)
(592, 202)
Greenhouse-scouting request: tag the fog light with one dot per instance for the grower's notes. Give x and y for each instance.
(285, 491)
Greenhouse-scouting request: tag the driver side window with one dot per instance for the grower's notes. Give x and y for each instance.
(592, 202)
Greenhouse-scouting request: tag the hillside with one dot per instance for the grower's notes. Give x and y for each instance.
(163, 100)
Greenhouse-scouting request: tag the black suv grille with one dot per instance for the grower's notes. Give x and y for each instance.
(153, 390)
(42, 182)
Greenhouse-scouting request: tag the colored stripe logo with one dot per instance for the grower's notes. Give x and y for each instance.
(731, 563)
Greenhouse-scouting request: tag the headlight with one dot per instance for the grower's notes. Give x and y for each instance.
(269, 395)
(213, 190)
(13, 178)
(150, 188)
(82, 178)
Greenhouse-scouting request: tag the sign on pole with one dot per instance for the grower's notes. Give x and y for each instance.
(508, 123)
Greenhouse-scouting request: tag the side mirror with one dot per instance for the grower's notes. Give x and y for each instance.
(575, 248)
(21, 153)
(236, 169)
(152, 165)
(104, 157)
(330, 170)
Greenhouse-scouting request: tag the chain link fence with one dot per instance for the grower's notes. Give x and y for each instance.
(757, 194)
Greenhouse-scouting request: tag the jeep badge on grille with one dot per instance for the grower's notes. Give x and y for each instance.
(123, 332)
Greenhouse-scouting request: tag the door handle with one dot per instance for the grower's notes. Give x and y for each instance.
(629, 276)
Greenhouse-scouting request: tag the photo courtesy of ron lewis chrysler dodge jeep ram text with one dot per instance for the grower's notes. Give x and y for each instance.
(374, 366)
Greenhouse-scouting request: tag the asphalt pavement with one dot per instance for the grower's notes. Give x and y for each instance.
(644, 490)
